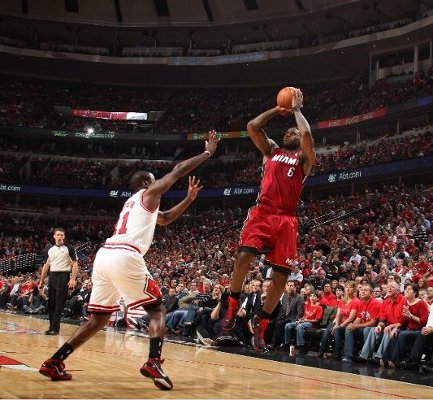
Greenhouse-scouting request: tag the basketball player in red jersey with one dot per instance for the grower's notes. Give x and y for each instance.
(119, 269)
(271, 226)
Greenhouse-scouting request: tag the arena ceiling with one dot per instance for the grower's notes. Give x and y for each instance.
(207, 24)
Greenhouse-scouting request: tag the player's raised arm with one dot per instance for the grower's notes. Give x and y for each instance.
(152, 195)
(256, 133)
(168, 216)
(307, 142)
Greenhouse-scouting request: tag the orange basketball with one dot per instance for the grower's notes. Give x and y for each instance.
(284, 97)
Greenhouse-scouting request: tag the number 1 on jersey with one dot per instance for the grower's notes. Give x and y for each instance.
(122, 229)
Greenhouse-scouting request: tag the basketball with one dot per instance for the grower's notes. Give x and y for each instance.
(284, 97)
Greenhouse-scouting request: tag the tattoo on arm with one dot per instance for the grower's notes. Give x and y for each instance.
(302, 123)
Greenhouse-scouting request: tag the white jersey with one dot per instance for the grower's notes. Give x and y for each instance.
(136, 224)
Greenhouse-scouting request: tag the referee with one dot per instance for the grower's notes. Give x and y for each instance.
(61, 261)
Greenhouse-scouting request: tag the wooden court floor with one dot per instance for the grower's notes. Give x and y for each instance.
(107, 367)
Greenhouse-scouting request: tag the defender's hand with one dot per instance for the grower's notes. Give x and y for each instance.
(193, 188)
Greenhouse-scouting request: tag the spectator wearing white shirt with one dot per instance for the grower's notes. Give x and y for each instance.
(401, 232)
(405, 276)
(296, 275)
(355, 257)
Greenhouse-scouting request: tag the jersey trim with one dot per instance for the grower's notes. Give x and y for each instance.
(143, 303)
(279, 268)
(255, 250)
(119, 245)
(72, 252)
(103, 309)
(144, 206)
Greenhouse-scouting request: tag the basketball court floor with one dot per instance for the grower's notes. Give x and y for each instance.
(108, 367)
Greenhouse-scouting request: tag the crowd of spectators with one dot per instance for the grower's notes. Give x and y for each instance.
(78, 173)
(246, 170)
(390, 241)
(385, 150)
(386, 245)
(30, 103)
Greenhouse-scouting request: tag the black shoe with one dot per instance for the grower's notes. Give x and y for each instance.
(359, 359)
(302, 350)
(409, 365)
(269, 349)
(284, 348)
(374, 361)
(52, 333)
(427, 369)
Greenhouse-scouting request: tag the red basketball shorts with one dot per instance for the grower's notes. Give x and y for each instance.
(271, 233)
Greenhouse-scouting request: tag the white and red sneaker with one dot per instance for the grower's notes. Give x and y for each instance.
(152, 369)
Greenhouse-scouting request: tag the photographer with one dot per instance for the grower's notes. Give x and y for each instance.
(76, 306)
(203, 302)
(209, 326)
(36, 303)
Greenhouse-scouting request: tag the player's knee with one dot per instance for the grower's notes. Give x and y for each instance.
(281, 272)
(157, 307)
(280, 276)
(245, 257)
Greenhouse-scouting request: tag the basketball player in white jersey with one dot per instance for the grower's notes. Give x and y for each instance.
(119, 269)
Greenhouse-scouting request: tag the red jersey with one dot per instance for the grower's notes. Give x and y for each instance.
(330, 297)
(369, 310)
(346, 308)
(421, 310)
(422, 267)
(314, 313)
(282, 181)
(391, 310)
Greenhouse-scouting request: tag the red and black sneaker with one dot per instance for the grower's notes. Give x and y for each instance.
(229, 320)
(152, 369)
(55, 369)
(258, 326)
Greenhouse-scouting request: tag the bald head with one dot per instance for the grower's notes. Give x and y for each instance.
(141, 180)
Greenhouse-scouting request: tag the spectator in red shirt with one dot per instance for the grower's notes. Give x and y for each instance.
(328, 295)
(415, 315)
(339, 295)
(391, 314)
(313, 313)
(416, 275)
(367, 317)
(346, 313)
(422, 265)
(428, 275)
